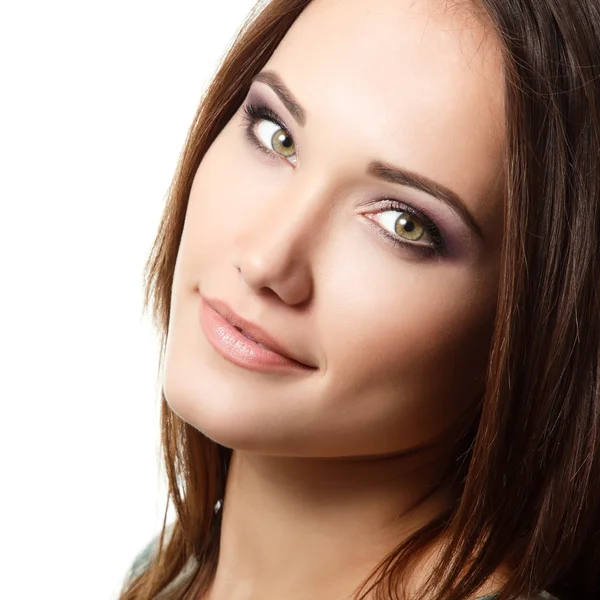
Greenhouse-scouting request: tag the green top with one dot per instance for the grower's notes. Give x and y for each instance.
(143, 559)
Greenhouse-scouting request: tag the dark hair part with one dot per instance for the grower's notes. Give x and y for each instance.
(530, 478)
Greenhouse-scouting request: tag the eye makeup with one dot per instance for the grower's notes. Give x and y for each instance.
(437, 244)
(251, 115)
(255, 111)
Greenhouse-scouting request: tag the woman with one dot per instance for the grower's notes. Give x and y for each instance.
(377, 284)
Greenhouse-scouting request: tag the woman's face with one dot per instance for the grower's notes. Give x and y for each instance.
(293, 238)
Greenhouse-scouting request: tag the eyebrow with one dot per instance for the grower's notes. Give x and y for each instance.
(377, 168)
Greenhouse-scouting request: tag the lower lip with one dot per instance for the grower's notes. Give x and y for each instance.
(240, 350)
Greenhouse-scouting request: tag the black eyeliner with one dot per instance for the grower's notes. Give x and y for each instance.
(251, 113)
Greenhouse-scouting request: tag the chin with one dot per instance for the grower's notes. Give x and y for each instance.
(224, 414)
(238, 409)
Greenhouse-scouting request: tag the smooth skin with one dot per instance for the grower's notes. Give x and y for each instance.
(333, 467)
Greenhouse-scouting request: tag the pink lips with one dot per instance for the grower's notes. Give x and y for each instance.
(220, 325)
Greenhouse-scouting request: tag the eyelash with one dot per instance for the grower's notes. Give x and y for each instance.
(252, 113)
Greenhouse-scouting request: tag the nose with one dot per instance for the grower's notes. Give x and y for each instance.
(276, 247)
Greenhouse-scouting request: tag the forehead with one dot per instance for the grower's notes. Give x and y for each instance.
(415, 82)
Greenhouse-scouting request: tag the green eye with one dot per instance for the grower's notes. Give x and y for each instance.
(408, 227)
(267, 132)
(273, 136)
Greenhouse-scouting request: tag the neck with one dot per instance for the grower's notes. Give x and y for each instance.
(311, 527)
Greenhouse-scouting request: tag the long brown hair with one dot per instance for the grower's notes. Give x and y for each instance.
(530, 483)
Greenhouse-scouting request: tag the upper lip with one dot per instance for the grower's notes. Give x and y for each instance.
(254, 331)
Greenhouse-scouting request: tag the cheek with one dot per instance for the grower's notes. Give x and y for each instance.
(410, 347)
(225, 190)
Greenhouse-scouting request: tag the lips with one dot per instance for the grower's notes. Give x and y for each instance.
(254, 332)
(251, 338)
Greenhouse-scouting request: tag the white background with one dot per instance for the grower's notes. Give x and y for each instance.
(95, 101)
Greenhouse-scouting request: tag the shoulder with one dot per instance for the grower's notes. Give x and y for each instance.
(143, 559)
